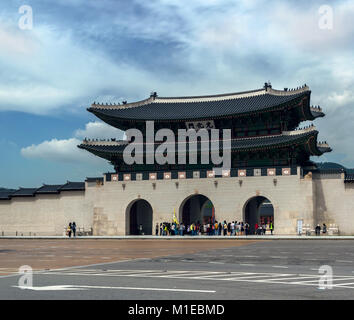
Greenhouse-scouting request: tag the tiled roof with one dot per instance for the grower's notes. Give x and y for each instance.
(5, 194)
(46, 189)
(159, 108)
(25, 192)
(242, 144)
(72, 186)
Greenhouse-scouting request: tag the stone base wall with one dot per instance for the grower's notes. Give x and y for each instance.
(106, 208)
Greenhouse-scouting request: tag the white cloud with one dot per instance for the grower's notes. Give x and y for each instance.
(66, 150)
(48, 70)
(98, 130)
(217, 46)
(55, 150)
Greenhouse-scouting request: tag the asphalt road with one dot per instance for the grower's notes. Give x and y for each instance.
(279, 269)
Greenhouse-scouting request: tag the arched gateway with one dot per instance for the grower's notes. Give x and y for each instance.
(196, 208)
(139, 218)
(258, 210)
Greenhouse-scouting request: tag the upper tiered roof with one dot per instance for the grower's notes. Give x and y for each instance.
(208, 107)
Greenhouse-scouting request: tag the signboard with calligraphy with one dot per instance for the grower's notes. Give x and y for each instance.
(196, 125)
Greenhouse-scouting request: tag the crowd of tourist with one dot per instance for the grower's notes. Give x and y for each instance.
(216, 228)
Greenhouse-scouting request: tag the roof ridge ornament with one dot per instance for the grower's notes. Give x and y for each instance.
(286, 91)
(309, 128)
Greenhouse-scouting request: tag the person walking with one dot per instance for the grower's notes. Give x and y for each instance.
(256, 228)
(157, 229)
(271, 227)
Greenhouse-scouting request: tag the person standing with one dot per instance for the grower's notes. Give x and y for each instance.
(232, 226)
(69, 230)
(225, 228)
(271, 227)
(237, 228)
(74, 229)
(256, 228)
(318, 230)
(324, 229)
(247, 226)
(157, 229)
(181, 229)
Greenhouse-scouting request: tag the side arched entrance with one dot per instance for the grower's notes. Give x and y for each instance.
(139, 218)
(258, 210)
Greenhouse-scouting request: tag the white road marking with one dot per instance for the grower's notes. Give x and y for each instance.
(334, 279)
(267, 278)
(84, 287)
(247, 264)
(297, 277)
(251, 277)
(349, 261)
(51, 288)
(285, 267)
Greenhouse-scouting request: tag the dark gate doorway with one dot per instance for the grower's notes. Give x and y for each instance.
(259, 210)
(140, 218)
(197, 209)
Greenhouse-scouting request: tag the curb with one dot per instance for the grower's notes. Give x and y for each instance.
(185, 237)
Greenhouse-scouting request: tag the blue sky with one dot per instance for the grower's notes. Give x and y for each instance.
(80, 51)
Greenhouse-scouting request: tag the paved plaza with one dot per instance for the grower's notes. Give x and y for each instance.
(177, 269)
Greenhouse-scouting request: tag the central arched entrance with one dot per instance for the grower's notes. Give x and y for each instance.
(196, 209)
(258, 210)
(139, 218)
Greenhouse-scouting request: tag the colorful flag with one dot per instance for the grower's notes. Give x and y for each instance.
(174, 216)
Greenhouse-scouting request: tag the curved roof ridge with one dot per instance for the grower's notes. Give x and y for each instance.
(105, 142)
(203, 98)
(124, 105)
(214, 97)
